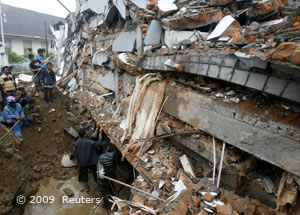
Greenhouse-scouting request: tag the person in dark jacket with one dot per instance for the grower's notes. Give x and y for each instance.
(85, 151)
(108, 162)
(48, 81)
(35, 68)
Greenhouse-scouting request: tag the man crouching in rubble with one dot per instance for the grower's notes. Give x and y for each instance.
(14, 113)
(85, 151)
(32, 112)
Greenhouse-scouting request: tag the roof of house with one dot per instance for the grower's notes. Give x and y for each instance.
(19, 21)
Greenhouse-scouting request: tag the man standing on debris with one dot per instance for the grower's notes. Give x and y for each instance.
(35, 67)
(48, 81)
(108, 162)
(85, 151)
(14, 113)
(7, 83)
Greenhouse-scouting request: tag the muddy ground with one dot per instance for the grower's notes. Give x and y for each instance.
(39, 155)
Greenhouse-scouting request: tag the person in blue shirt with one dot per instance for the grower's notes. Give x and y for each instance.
(40, 58)
(12, 113)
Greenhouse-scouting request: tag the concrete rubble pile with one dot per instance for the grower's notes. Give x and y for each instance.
(169, 80)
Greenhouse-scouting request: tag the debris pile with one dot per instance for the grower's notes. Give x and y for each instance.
(172, 81)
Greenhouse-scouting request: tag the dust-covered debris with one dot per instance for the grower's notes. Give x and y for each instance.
(163, 78)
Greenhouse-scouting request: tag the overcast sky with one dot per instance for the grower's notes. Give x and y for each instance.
(51, 7)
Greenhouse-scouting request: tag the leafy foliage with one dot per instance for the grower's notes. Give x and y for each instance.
(13, 57)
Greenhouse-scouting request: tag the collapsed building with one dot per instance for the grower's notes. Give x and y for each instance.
(185, 89)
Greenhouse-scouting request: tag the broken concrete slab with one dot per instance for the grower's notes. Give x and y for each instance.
(140, 3)
(221, 27)
(251, 61)
(166, 5)
(100, 58)
(240, 76)
(154, 33)
(254, 140)
(111, 14)
(185, 162)
(107, 79)
(291, 91)
(256, 80)
(124, 42)
(174, 65)
(139, 41)
(226, 73)
(275, 85)
(174, 38)
(198, 18)
(96, 6)
(72, 85)
(120, 4)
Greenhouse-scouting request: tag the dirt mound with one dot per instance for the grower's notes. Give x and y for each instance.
(10, 167)
(39, 156)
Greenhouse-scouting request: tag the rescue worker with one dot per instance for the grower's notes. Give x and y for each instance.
(14, 113)
(40, 58)
(85, 151)
(7, 83)
(31, 111)
(22, 97)
(48, 81)
(108, 162)
(35, 67)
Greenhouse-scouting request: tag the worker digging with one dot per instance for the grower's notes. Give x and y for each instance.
(163, 107)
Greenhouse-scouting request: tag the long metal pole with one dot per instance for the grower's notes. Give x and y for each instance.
(2, 31)
(221, 165)
(215, 160)
(64, 6)
(4, 60)
(46, 40)
(131, 187)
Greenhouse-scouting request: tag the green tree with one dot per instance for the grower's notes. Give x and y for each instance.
(13, 57)
(27, 54)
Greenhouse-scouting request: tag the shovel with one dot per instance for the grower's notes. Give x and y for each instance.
(12, 128)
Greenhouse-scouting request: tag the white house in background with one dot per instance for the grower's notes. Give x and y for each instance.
(24, 30)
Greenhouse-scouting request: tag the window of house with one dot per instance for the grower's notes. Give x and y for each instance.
(27, 44)
(7, 45)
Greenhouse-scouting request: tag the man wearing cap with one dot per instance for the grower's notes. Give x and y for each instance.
(14, 113)
(7, 83)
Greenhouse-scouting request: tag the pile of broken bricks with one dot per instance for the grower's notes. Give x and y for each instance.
(104, 49)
